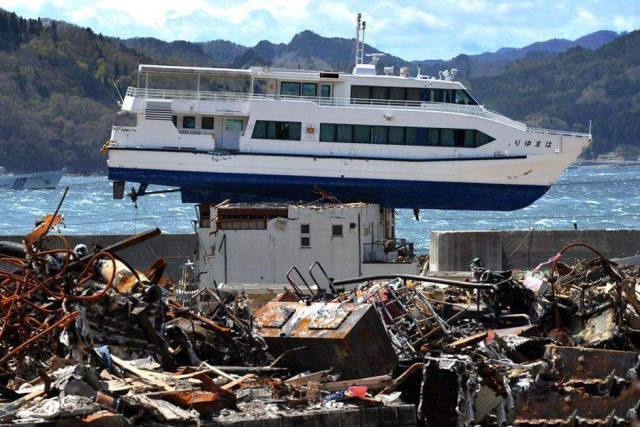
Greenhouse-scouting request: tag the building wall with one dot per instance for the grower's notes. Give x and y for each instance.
(265, 256)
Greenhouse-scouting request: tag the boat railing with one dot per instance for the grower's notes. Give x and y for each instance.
(559, 132)
(475, 110)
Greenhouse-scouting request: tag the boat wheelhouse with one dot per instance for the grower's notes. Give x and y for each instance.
(264, 134)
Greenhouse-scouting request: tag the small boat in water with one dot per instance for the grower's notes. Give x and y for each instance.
(31, 181)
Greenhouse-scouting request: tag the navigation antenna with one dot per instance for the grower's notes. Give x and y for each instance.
(360, 26)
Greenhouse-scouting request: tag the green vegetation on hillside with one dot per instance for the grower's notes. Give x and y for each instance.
(57, 99)
(565, 91)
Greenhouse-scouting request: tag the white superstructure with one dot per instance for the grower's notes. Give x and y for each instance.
(263, 134)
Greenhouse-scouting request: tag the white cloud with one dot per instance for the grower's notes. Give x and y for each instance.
(410, 29)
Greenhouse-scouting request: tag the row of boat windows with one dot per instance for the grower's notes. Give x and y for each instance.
(264, 129)
(452, 96)
(304, 89)
(189, 122)
(400, 135)
(206, 122)
(365, 134)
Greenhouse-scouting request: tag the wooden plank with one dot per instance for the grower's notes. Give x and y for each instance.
(153, 378)
(378, 382)
(237, 381)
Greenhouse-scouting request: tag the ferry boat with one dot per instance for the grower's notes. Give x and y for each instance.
(47, 180)
(296, 135)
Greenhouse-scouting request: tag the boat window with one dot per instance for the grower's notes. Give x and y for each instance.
(379, 92)
(327, 132)
(276, 130)
(397, 93)
(174, 119)
(458, 137)
(396, 135)
(411, 136)
(422, 136)
(325, 91)
(361, 133)
(413, 94)
(468, 138)
(309, 89)
(259, 130)
(361, 92)
(189, 122)
(446, 137)
(234, 125)
(482, 139)
(344, 133)
(434, 136)
(379, 134)
(207, 122)
(462, 97)
(399, 135)
(431, 95)
(290, 88)
(336, 230)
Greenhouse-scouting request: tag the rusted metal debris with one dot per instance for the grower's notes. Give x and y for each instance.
(87, 336)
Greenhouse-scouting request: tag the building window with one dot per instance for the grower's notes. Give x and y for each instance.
(189, 122)
(325, 91)
(207, 122)
(290, 88)
(264, 129)
(336, 230)
(305, 238)
(309, 89)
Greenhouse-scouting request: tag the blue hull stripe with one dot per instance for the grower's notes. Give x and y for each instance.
(212, 187)
(321, 156)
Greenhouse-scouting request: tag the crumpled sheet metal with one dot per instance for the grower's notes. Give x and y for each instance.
(590, 365)
(346, 337)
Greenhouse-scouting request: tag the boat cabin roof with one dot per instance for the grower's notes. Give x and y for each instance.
(298, 75)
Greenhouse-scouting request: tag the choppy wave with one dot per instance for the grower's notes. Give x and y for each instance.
(592, 197)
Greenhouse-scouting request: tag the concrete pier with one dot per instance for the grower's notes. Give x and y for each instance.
(524, 249)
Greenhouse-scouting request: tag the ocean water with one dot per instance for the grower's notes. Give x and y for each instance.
(593, 197)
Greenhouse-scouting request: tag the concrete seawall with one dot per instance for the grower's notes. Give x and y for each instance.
(175, 248)
(524, 249)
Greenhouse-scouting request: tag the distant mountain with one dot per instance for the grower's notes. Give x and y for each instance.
(312, 51)
(494, 63)
(179, 51)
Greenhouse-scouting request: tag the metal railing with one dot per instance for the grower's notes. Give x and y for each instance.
(559, 132)
(474, 110)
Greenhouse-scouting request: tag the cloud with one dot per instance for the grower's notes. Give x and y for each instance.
(410, 29)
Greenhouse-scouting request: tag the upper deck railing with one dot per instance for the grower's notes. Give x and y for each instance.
(475, 110)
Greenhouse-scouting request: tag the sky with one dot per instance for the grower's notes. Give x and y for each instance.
(409, 29)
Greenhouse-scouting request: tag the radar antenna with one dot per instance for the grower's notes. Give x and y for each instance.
(360, 26)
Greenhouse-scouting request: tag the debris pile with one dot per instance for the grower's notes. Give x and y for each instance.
(85, 336)
(560, 348)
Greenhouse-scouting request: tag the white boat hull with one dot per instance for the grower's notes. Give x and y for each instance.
(33, 181)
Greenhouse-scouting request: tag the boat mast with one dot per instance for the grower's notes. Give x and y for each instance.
(360, 25)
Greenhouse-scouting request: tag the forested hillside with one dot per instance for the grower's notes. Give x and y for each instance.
(58, 98)
(567, 90)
